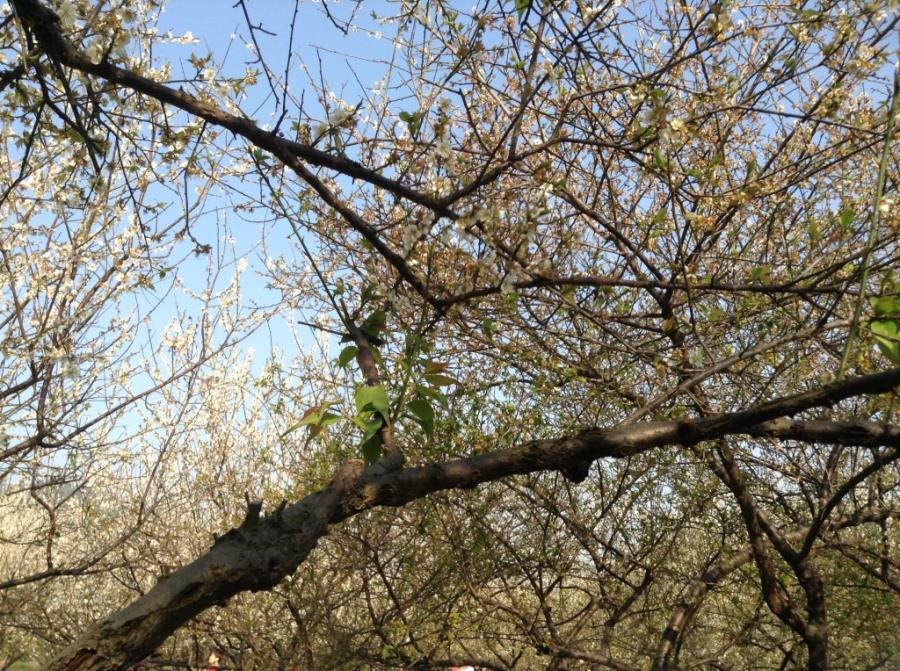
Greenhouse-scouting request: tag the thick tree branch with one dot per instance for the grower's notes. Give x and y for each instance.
(540, 281)
(264, 550)
(45, 26)
(252, 557)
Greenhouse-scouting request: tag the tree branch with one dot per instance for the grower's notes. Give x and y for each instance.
(44, 25)
(258, 556)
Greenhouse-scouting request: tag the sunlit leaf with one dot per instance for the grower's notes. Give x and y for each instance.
(347, 355)
(423, 414)
(373, 398)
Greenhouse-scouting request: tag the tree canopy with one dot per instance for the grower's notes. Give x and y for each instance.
(543, 334)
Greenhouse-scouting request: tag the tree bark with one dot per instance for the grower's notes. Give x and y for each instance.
(263, 550)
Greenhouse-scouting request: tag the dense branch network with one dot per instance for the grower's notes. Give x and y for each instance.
(262, 551)
(617, 235)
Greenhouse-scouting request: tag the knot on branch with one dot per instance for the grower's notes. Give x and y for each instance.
(689, 433)
(348, 474)
(278, 514)
(577, 472)
(251, 517)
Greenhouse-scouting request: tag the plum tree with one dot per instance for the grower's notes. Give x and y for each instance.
(584, 326)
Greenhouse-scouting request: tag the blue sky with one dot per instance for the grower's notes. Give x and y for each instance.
(349, 62)
(222, 28)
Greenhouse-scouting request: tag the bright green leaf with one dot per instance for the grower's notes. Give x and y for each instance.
(424, 414)
(439, 380)
(886, 306)
(369, 398)
(846, 217)
(413, 121)
(347, 355)
(887, 336)
(315, 417)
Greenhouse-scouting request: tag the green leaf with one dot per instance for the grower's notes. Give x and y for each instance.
(660, 161)
(760, 272)
(371, 449)
(752, 167)
(887, 336)
(435, 367)
(293, 427)
(438, 380)
(522, 6)
(369, 427)
(347, 355)
(376, 354)
(885, 324)
(373, 325)
(413, 121)
(328, 418)
(373, 398)
(315, 417)
(423, 413)
(886, 306)
(431, 392)
(847, 216)
(414, 343)
(73, 135)
(812, 228)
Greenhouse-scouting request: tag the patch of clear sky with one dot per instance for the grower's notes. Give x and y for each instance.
(350, 62)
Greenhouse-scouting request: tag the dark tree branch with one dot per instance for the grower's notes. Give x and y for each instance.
(256, 557)
(44, 25)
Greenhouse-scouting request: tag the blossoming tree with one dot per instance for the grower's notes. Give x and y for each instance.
(584, 332)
